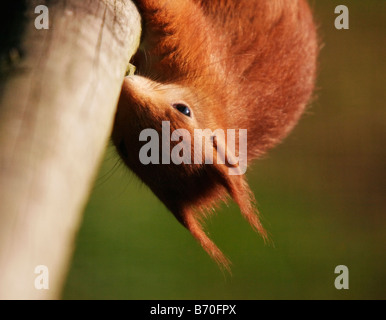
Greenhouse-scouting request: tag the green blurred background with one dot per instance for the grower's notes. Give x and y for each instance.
(321, 193)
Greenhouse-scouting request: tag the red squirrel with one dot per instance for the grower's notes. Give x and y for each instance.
(218, 64)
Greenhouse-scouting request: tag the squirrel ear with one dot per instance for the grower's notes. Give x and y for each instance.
(232, 177)
(191, 221)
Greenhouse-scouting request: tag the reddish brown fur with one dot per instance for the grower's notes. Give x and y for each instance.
(238, 64)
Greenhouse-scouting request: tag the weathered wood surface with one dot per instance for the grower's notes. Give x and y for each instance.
(57, 104)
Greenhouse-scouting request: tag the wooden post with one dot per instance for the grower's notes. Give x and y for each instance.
(58, 95)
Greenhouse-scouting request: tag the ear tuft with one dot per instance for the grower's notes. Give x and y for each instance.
(243, 196)
(239, 190)
(195, 228)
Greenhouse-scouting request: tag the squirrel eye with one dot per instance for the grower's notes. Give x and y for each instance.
(184, 109)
